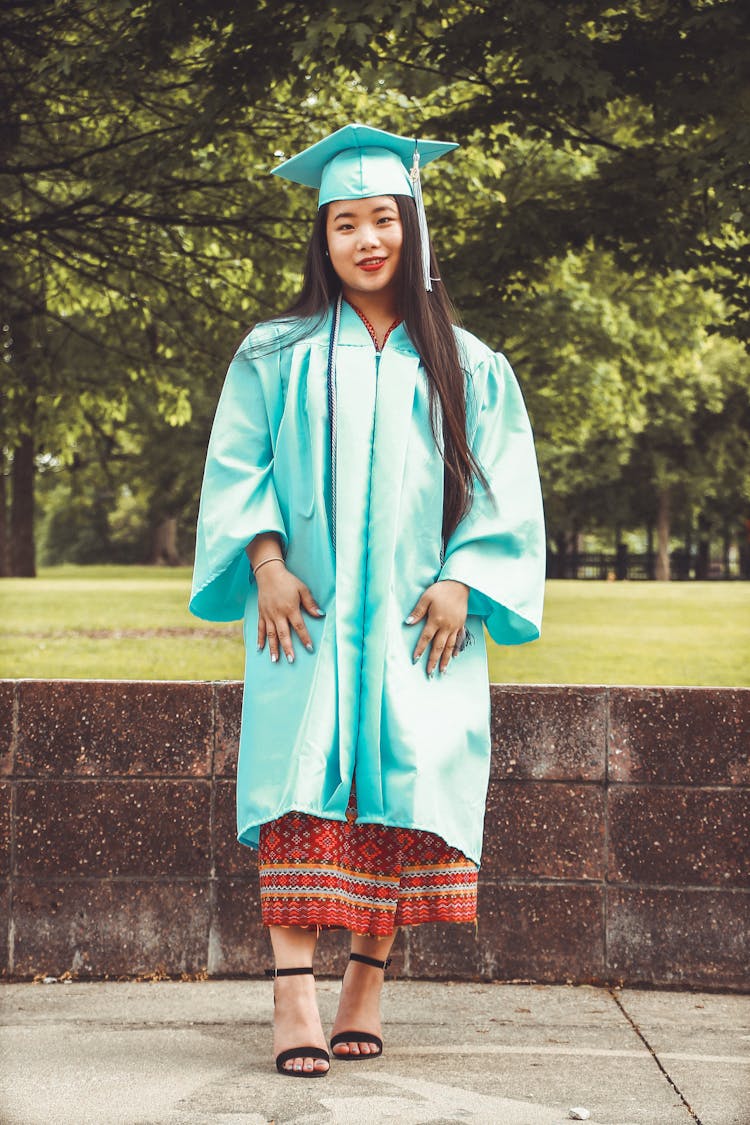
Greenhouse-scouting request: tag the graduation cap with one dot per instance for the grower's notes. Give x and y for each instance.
(359, 161)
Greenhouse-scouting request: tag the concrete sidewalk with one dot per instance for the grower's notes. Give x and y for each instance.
(172, 1053)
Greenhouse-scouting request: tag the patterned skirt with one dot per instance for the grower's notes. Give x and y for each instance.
(367, 878)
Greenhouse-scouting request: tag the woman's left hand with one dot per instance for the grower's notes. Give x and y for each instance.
(443, 604)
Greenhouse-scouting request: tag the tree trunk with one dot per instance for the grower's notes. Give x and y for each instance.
(164, 543)
(726, 550)
(22, 553)
(621, 562)
(575, 544)
(4, 552)
(745, 553)
(561, 543)
(22, 509)
(688, 550)
(661, 572)
(650, 557)
(703, 561)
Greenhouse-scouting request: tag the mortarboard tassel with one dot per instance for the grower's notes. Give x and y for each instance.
(421, 218)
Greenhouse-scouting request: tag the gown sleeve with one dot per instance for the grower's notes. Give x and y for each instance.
(499, 551)
(238, 498)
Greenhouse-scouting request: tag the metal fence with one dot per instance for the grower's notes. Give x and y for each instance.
(624, 564)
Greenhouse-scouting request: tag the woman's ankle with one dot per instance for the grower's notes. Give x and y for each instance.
(293, 946)
(374, 948)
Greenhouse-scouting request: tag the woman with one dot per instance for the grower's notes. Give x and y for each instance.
(370, 502)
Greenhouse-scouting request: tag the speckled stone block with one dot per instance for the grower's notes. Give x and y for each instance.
(537, 931)
(113, 828)
(239, 943)
(7, 704)
(5, 822)
(690, 735)
(549, 732)
(4, 928)
(89, 728)
(545, 829)
(126, 859)
(106, 927)
(678, 835)
(447, 951)
(230, 856)
(228, 703)
(666, 936)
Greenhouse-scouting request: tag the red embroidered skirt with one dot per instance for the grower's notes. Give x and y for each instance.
(367, 878)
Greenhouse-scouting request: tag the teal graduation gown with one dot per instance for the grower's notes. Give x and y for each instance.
(420, 746)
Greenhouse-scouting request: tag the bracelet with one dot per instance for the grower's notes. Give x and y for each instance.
(274, 558)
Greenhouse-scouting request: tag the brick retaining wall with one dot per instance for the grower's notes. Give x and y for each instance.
(616, 838)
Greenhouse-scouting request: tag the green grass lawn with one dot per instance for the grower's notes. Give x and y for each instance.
(132, 623)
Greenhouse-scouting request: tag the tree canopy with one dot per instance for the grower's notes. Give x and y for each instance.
(593, 225)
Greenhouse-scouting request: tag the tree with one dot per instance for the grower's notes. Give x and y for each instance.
(126, 225)
(598, 146)
(651, 94)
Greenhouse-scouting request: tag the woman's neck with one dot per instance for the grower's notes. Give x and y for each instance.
(380, 309)
(378, 325)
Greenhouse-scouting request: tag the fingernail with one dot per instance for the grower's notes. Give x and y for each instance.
(319, 611)
(274, 658)
(410, 619)
(414, 659)
(309, 648)
(259, 649)
(290, 657)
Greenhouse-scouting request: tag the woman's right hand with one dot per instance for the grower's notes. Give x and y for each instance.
(281, 597)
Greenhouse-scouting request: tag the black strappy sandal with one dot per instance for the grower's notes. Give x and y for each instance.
(360, 1036)
(299, 1052)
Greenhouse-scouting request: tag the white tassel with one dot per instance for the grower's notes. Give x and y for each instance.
(421, 219)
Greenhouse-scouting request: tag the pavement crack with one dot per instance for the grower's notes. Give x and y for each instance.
(655, 1057)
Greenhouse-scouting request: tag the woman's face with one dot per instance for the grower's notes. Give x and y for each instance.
(364, 243)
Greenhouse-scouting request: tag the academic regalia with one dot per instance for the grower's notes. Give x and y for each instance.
(326, 442)
(421, 746)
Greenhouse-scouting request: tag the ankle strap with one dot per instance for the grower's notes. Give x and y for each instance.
(288, 972)
(370, 960)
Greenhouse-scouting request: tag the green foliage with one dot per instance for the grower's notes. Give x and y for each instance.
(593, 226)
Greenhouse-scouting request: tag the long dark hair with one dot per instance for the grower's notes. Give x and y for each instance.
(429, 318)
